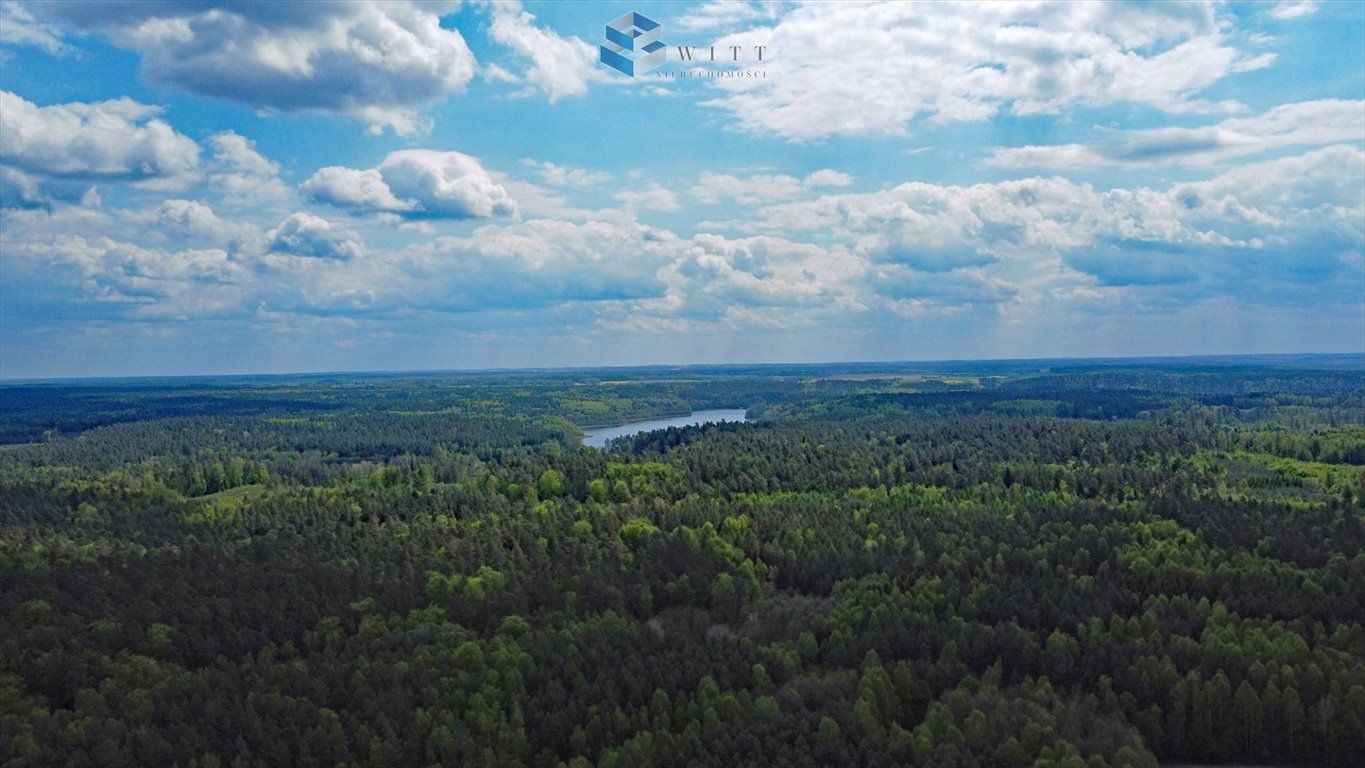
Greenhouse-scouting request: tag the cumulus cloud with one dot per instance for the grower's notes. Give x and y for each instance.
(187, 218)
(18, 190)
(909, 291)
(565, 176)
(242, 175)
(539, 264)
(865, 68)
(539, 202)
(937, 228)
(1291, 228)
(716, 274)
(524, 266)
(115, 140)
(303, 234)
(445, 184)
(1326, 121)
(190, 223)
(356, 189)
(19, 27)
(652, 197)
(724, 14)
(559, 66)
(415, 183)
(1294, 9)
(378, 61)
(827, 177)
(148, 282)
(1287, 232)
(764, 188)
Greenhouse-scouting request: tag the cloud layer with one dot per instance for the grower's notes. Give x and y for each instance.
(117, 139)
(415, 183)
(311, 236)
(559, 66)
(845, 69)
(1286, 231)
(377, 61)
(908, 180)
(1327, 121)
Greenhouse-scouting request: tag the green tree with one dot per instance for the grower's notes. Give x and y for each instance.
(550, 484)
(1249, 715)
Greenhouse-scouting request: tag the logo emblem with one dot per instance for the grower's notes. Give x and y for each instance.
(632, 46)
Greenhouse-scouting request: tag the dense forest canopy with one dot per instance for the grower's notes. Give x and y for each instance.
(1037, 563)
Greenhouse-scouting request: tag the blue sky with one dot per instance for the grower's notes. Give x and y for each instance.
(201, 187)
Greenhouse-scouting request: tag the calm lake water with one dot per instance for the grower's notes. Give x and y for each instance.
(597, 438)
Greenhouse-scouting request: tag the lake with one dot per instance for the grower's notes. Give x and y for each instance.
(598, 437)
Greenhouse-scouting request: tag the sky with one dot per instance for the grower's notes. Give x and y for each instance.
(252, 187)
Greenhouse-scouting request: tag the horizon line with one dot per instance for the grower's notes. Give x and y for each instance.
(1121, 359)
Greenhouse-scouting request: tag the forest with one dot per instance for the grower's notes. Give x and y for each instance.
(1036, 563)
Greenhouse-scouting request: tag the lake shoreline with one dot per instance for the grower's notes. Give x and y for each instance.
(598, 437)
(589, 427)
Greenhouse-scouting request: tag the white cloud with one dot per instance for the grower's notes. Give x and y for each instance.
(908, 291)
(238, 153)
(19, 190)
(534, 264)
(1283, 228)
(19, 27)
(240, 174)
(445, 184)
(724, 14)
(1283, 233)
(712, 188)
(499, 74)
(650, 198)
(30, 208)
(827, 177)
(764, 188)
(415, 183)
(935, 228)
(149, 282)
(1303, 123)
(560, 66)
(716, 275)
(351, 188)
(1294, 9)
(537, 202)
(527, 266)
(917, 250)
(565, 176)
(116, 140)
(303, 234)
(188, 218)
(377, 61)
(864, 68)
(183, 224)
(1278, 204)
